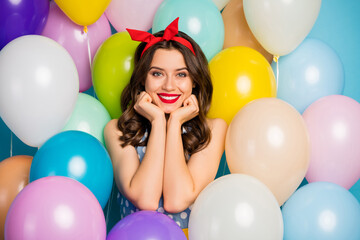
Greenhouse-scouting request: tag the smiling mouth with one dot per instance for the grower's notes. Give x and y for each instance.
(168, 98)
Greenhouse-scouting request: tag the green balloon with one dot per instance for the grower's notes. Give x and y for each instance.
(111, 70)
(89, 116)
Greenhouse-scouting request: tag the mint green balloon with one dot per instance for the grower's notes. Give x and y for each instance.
(200, 19)
(89, 116)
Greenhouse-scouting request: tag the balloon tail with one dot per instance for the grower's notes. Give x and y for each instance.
(11, 144)
(276, 59)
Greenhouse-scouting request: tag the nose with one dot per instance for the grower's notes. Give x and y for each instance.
(169, 84)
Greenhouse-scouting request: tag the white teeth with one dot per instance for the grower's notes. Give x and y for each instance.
(168, 98)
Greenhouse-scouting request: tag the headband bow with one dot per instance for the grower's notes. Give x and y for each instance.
(169, 34)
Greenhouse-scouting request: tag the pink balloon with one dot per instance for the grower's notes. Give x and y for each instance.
(333, 124)
(136, 14)
(70, 35)
(55, 208)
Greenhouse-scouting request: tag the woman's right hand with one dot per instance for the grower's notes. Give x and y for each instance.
(147, 109)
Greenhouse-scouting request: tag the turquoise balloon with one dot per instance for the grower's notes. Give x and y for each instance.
(79, 156)
(312, 71)
(200, 19)
(322, 211)
(89, 116)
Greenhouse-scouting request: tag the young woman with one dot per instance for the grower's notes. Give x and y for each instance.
(163, 148)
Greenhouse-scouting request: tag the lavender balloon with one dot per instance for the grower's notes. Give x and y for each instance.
(145, 225)
(55, 208)
(21, 17)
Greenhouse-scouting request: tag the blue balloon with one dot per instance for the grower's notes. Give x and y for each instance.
(322, 211)
(338, 26)
(200, 19)
(313, 70)
(77, 155)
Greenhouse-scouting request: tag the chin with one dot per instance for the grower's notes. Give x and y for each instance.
(168, 111)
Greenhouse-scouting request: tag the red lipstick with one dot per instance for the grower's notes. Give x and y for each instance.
(168, 98)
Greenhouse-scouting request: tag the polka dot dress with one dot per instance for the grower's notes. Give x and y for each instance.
(127, 208)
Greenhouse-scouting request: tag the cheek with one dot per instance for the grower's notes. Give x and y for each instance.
(186, 87)
(150, 86)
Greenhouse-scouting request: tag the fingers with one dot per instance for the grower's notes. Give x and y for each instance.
(192, 102)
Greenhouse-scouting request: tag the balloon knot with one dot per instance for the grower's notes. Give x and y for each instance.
(276, 58)
(85, 29)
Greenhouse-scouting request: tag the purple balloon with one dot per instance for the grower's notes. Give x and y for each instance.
(21, 17)
(55, 208)
(68, 34)
(145, 225)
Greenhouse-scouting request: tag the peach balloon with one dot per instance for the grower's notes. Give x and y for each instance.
(14, 176)
(268, 139)
(237, 31)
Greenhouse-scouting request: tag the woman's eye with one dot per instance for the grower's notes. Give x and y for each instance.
(182, 74)
(156, 74)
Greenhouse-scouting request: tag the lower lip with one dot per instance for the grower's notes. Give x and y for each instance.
(169, 101)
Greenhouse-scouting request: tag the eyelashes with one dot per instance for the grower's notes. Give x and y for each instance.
(159, 74)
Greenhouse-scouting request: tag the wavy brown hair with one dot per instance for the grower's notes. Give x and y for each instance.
(197, 134)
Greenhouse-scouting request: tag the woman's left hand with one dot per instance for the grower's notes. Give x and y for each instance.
(188, 111)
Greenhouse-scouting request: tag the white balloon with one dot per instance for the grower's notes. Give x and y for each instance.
(281, 25)
(236, 206)
(39, 85)
(220, 3)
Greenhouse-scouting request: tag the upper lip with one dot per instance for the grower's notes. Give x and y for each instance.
(168, 94)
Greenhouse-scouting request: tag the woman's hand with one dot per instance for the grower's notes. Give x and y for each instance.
(147, 109)
(188, 111)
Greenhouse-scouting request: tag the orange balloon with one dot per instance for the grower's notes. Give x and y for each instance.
(237, 31)
(268, 139)
(14, 176)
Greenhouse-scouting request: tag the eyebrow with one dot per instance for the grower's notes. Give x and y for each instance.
(179, 69)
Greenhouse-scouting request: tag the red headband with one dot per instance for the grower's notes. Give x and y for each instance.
(169, 34)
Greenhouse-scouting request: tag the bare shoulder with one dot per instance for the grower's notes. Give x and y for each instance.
(217, 125)
(111, 128)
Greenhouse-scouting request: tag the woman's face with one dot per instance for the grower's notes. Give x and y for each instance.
(168, 81)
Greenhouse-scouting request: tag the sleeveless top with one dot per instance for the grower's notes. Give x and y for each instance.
(127, 208)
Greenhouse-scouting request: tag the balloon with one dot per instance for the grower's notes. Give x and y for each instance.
(77, 155)
(235, 206)
(311, 71)
(323, 211)
(268, 139)
(39, 85)
(89, 116)
(342, 37)
(200, 19)
(21, 17)
(112, 68)
(14, 176)
(220, 3)
(333, 125)
(55, 208)
(61, 29)
(280, 26)
(83, 12)
(237, 31)
(125, 14)
(143, 225)
(239, 75)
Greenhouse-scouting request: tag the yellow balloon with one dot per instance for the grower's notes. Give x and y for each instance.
(239, 75)
(83, 12)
